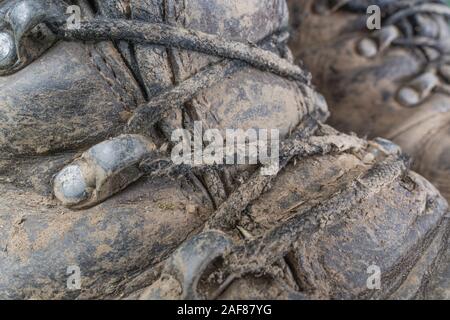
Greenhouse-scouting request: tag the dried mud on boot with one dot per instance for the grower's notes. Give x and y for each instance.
(87, 179)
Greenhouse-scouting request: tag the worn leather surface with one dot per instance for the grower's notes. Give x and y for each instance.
(120, 243)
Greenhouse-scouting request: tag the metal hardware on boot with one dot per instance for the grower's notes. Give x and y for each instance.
(102, 171)
(187, 265)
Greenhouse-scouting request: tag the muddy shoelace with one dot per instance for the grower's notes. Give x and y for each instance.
(309, 139)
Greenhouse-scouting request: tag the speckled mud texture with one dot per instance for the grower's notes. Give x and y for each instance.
(80, 186)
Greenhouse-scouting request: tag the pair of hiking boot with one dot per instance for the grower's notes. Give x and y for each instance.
(87, 182)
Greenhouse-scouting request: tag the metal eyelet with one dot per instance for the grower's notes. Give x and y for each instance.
(418, 90)
(367, 47)
(407, 96)
(187, 264)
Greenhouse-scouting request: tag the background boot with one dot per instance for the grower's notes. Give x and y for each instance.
(82, 124)
(392, 82)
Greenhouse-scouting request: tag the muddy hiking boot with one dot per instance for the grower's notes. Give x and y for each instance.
(393, 82)
(89, 188)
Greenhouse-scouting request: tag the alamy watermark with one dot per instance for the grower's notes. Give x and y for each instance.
(211, 147)
(374, 19)
(74, 19)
